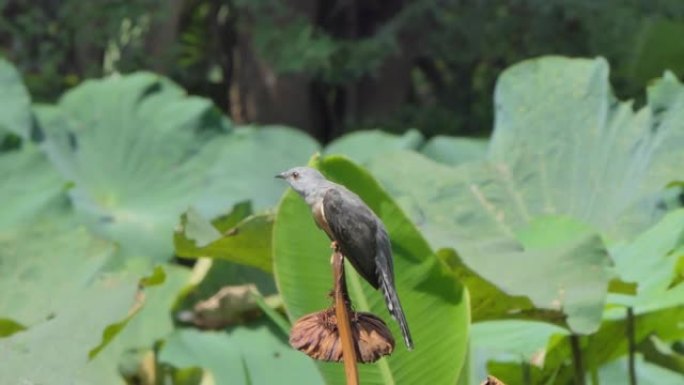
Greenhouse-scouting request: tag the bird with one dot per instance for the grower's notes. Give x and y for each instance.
(356, 230)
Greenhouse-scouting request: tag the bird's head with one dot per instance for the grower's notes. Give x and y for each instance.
(303, 180)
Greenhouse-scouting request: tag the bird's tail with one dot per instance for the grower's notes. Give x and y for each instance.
(384, 264)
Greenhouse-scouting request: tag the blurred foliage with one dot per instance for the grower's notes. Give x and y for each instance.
(542, 240)
(454, 59)
(48, 41)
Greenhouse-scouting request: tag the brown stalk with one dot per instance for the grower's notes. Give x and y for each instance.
(343, 321)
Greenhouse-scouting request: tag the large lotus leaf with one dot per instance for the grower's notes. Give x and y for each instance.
(154, 322)
(15, 102)
(362, 146)
(58, 281)
(455, 151)
(54, 351)
(436, 305)
(246, 167)
(563, 144)
(30, 188)
(255, 355)
(135, 149)
(45, 267)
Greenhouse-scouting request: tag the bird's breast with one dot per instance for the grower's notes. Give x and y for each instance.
(319, 217)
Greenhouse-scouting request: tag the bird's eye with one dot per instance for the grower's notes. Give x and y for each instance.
(295, 175)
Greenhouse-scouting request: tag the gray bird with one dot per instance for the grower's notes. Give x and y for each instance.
(359, 233)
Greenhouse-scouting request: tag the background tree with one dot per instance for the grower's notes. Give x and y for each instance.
(331, 66)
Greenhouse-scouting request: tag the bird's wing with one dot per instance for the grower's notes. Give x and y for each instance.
(353, 225)
(364, 241)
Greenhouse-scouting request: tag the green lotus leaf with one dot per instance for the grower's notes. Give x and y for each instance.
(30, 189)
(64, 295)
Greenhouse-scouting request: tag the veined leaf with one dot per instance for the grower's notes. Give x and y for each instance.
(600, 162)
(135, 148)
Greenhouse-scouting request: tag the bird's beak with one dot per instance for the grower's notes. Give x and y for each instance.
(281, 175)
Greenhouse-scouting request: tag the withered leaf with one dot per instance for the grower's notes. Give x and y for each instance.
(317, 336)
(491, 380)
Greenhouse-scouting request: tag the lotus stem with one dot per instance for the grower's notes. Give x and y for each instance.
(343, 321)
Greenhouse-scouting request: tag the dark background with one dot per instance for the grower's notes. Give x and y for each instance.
(329, 67)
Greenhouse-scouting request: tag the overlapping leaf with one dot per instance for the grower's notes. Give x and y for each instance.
(135, 149)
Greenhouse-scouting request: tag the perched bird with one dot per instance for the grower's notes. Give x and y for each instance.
(358, 232)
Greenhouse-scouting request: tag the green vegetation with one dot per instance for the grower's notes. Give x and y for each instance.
(550, 253)
(328, 67)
